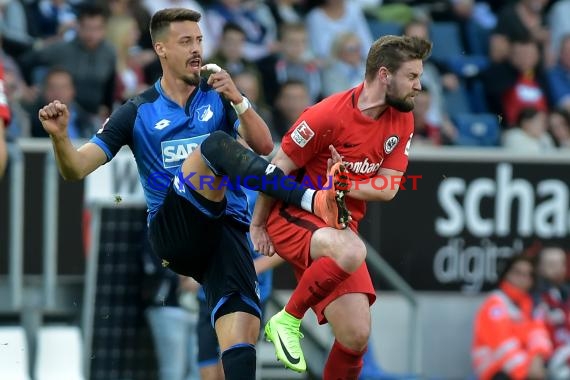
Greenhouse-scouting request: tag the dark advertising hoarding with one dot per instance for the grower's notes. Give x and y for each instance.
(465, 218)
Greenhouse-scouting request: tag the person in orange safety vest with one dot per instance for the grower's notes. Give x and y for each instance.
(508, 342)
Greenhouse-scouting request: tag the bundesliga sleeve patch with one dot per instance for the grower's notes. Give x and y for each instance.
(302, 134)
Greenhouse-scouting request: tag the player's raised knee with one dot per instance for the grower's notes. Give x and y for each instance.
(213, 143)
(351, 254)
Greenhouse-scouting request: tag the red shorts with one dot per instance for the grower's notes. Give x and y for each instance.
(291, 229)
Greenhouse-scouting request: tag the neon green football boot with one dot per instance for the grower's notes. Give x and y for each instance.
(283, 330)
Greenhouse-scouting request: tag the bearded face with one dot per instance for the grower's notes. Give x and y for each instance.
(403, 103)
(404, 85)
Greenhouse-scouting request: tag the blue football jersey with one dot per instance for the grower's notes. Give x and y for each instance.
(161, 134)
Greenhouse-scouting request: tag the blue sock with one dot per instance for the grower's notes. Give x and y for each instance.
(239, 362)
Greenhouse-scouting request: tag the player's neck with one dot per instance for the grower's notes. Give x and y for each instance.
(372, 100)
(175, 89)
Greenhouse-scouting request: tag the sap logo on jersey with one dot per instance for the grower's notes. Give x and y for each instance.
(174, 152)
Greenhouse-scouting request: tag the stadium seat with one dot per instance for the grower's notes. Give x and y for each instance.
(477, 129)
(382, 28)
(13, 353)
(59, 354)
(468, 66)
(446, 40)
(477, 99)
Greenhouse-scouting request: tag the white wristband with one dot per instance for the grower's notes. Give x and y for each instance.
(242, 106)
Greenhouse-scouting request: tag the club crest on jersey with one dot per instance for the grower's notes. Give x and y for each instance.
(390, 144)
(174, 152)
(204, 113)
(302, 134)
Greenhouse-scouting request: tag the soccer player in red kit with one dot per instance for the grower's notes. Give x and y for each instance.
(4, 120)
(369, 129)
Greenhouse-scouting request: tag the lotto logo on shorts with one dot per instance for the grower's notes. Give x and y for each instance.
(302, 134)
(174, 152)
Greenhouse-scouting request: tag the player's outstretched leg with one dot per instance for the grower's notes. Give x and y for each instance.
(225, 156)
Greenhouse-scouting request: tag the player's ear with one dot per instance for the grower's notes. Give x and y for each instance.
(159, 49)
(384, 74)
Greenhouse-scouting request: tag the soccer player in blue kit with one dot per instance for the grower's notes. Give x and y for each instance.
(182, 130)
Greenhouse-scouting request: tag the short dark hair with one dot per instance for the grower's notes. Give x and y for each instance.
(162, 19)
(54, 70)
(291, 83)
(392, 51)
(508, 264)
(89, 10)
(232, 27)
(525, 114)
(289, 27)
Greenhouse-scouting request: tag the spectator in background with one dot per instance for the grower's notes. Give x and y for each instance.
(293, 61)
(286, 11)
(424, 132)
(559, 76)
(52, 21)
(559, 127)
(332, 18)
(531, 135)
(508, 342)
(475, 20)
(15, 90)
(292, 99)
(58, 85)
(248, 84)
(123, 34)
(172, 316)
(558, 24)
(520, 20)
(143, 50)
(516, 84)
(253, 17)
(230, 52)
(551, 296)
(14, 27)
(438, 79)
(3, 150)
(347, 67)
(4, 121)
(89, 58)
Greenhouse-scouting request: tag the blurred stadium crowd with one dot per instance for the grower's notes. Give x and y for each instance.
(499, 73)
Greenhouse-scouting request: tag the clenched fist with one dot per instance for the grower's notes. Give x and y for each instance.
(54, 118)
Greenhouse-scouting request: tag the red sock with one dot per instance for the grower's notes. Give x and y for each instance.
(318, 281)
(343, 363)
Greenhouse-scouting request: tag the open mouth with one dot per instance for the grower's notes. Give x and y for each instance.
(195, 63)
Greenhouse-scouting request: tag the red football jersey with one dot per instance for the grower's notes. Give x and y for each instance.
(365, 144)
(4, 110)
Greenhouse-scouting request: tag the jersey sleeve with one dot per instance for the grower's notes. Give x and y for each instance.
(232, 121)
(4, 109)
(117, 130)
(311, 134)
(397, 159)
